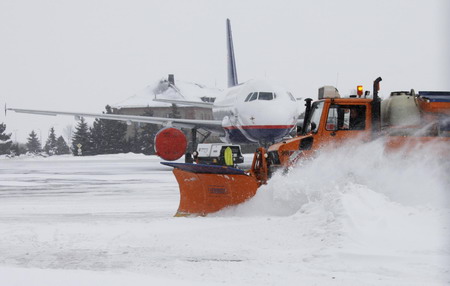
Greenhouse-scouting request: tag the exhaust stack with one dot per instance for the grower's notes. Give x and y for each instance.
(376, 109)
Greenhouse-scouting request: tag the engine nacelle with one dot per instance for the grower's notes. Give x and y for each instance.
(170, 144)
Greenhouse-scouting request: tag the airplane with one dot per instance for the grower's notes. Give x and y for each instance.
(254, 111)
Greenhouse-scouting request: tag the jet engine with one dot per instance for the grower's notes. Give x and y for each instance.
(170, 144)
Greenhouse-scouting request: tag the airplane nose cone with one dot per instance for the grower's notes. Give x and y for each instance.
(268, 121)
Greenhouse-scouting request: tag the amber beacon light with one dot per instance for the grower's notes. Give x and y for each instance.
(359, 90)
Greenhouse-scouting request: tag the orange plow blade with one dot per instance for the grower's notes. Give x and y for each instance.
(206, 189)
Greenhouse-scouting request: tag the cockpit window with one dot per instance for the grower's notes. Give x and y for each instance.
(265, 96)
(254, 96)
(260, 96)
(291, 96)
(248, 97)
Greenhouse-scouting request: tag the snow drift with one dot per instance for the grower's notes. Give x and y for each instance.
(367, 204)
(356, 215)
(418, 177)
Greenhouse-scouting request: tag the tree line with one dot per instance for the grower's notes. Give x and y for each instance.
(110, 137)
(53, 145)
(104, 137)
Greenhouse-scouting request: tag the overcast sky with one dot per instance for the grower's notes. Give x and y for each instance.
(81, 55)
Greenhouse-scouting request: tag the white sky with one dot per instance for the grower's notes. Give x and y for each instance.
(81, 55)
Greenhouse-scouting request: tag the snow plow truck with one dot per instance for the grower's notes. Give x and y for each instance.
(404, 119)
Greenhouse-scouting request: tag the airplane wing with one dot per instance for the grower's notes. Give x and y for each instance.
(186, 102)
(210, 125)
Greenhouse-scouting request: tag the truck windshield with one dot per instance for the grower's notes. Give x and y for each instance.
(316, 113)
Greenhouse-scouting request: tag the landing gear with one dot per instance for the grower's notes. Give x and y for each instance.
(188, 158)
(193, 146)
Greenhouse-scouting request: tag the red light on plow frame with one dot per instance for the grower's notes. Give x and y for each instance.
(359, 90)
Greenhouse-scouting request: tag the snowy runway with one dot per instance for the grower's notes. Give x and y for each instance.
(109, 220)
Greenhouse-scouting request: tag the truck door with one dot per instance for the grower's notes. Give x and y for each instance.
(347, 122)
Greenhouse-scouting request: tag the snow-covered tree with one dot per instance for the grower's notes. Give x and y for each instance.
(61, 146)
(33, 143)
(5, 140)
(50, 145)
(82, 137)
(18, 149)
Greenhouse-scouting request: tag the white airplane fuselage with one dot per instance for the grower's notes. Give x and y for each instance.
(256, 111)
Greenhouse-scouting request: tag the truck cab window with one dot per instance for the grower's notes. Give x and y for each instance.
(316, 113)
(357, 117)
(346, 117)
(332, 120)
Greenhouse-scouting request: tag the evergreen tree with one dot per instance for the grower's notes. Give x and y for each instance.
(114, 135)
(5, 140)
(96, 137)
(50, 145)
(15, 150)
(133, 144)
(61, 146)
(146, 136)
(18, 149)
(108, 136)
(33, 144)
(81, 136)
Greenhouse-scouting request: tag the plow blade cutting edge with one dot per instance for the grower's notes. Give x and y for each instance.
(206, 189)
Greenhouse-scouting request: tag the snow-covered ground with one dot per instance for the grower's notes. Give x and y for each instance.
(353, 216)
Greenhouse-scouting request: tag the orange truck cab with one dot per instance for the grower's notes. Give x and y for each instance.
(404, 119)
(332, 121)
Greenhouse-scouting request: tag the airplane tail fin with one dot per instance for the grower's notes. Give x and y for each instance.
(232, 73)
